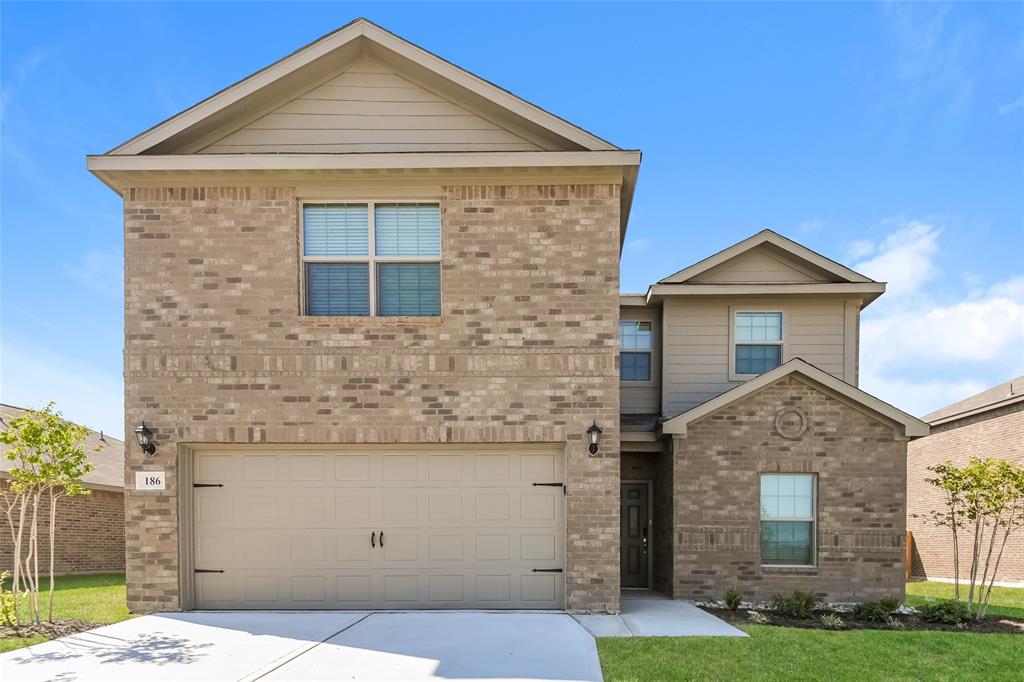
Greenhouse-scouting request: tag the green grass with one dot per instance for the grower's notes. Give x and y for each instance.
(95, 598)
(1006, 601)
(784, 654)
(776, 653)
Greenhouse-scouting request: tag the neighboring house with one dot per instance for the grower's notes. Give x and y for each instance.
(90, 528)
(372, 319)
(989, 424)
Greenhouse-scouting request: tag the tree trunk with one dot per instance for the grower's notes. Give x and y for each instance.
(988, 562)
(53, 533)
(35, 556)
(983, 609)
(975, 554)
(17, 561)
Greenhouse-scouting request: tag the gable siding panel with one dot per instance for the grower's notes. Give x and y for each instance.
(369, 108)
(756, 266)
(696, 343)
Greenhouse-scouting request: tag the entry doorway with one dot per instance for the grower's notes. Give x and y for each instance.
(635, 531)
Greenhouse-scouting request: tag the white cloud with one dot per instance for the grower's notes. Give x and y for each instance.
(809, 226)
(904, 258)
(31, 377)
(638, 245)
(1011, 106)
(862, 248)
(98, 270)
(921, 352)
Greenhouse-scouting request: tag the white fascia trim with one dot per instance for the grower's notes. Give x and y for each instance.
(400, 160)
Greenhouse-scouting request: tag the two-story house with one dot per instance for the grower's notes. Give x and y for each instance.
(372, 357)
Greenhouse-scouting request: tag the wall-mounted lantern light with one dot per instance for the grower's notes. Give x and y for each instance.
(593, 435)
(145, 438)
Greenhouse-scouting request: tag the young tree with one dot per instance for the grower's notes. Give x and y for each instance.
(987, 496)
(50, 461)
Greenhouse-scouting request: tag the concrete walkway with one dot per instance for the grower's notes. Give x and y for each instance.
(317, 645)
(649, 614)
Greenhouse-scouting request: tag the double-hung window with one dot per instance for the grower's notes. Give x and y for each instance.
(757, 342)
(787, 519)
(372, 259)
(634, 350)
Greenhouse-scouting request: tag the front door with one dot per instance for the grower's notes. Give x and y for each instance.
(636, 522)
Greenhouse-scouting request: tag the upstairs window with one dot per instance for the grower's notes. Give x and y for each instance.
(758, 342)
(372, 259)
(634, 350)
(787, 519)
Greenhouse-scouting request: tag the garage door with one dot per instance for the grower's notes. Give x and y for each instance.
(378, 529)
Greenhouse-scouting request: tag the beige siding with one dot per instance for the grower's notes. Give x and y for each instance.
(369, 108)
(644, 397)
(758, 266)
(697, 349)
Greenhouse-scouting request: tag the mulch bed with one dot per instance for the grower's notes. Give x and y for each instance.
(52, 630)
(988, 624)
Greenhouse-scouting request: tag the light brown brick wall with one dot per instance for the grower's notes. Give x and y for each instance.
(89, 535)
(861, 509)
(524, 351)
(998, 433)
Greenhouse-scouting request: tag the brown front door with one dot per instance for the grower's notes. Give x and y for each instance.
(635, 520)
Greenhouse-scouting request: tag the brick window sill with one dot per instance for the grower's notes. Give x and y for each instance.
(326, 320)
(790, 570)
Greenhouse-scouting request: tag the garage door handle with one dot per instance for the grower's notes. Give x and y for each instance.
(547, 570)
(373, 539)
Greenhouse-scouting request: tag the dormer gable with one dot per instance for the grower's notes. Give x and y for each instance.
(766, 257)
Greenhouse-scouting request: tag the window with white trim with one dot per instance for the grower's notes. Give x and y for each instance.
(787, 519)
(634, 350)
(757, 339)
(372, 256)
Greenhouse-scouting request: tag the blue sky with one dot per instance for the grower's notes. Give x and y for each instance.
(887, 136)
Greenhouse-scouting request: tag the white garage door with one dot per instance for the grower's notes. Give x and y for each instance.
(378, 529)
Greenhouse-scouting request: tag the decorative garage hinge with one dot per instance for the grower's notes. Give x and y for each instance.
(551, 485)
(547, 570)
(207, 485)
(208, 570)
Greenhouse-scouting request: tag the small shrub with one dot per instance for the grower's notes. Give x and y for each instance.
(733, 598)
(946, 612)
(758, 618)
(890, 603)
(6, 601)
(797, 605)
(872, 611)
(894, 623)
(832, 621)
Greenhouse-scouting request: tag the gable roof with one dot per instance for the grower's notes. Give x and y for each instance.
(1006, 393)
(910, 426)
(321, 60)
(109, 462)
(824, 268)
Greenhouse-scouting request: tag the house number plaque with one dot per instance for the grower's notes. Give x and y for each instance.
(149, 480)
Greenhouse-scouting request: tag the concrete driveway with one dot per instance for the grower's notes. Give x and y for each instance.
(316, 645)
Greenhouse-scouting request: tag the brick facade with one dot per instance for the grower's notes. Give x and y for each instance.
(89, 535)
(996, 433)
(861, 489)
(524, 351)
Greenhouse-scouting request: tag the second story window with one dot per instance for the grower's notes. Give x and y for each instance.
(372, 259)
(634, 350)
(758, 342)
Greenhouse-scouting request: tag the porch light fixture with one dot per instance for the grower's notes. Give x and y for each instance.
(145, 438)
(593, 434)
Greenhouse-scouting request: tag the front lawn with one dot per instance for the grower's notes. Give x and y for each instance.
(781, 653)
(98, 599)
(1006, 601)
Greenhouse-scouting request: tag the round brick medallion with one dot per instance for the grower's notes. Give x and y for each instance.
(790, 423)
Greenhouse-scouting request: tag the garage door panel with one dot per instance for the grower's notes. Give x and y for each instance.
(462, 529)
